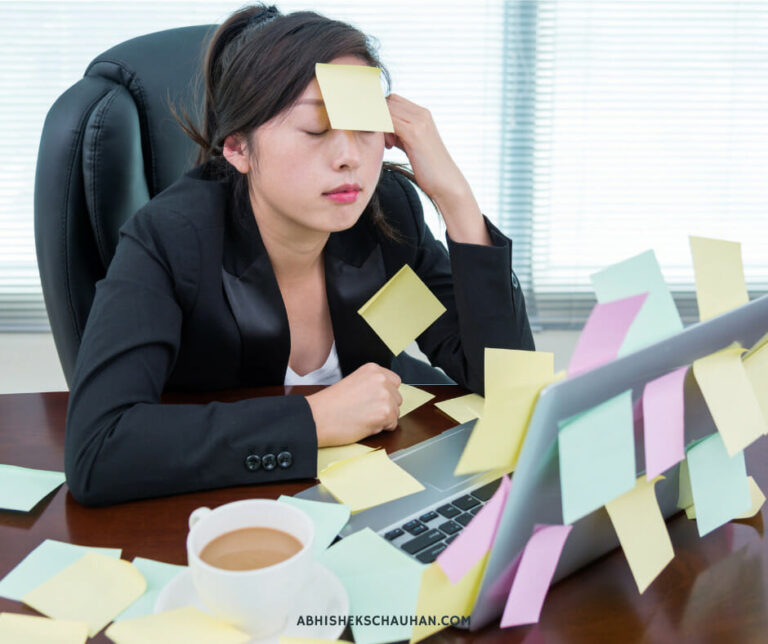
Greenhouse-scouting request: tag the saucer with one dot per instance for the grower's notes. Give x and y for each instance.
(324, 595)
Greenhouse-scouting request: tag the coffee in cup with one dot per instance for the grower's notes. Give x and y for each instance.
(250, 548)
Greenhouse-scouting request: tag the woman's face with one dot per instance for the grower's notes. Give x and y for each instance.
(301, 160)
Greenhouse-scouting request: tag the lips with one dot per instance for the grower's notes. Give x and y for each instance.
(344, 188)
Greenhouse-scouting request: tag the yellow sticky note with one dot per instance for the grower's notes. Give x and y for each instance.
(401, 309)
(756, 368)
(720, 284)
(413, 398)
(27, 629)
(329, 455)
(439, 597)
(464, 408)
(756, 496)
(95, 589)
(499, 433)
(368, 480)
(642, 532)
(730, 397)
(507, 369)
(690, 512)
(187, 625)
(684, 492)
(308, 640)
(353, 97)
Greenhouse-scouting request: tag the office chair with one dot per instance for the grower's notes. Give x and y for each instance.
(108, 145)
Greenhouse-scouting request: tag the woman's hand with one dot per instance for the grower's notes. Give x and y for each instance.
(435, 171)
(358, 406)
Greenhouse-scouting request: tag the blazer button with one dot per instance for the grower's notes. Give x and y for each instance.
(252, 462)
(284, 459)
(268, 462)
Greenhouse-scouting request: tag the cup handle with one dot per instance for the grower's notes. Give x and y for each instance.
(198, 514)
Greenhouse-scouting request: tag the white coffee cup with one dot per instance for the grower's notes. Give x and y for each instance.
(257, 601)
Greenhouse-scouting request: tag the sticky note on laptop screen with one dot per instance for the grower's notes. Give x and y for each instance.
(720, 284)
(401, 310)
(353, 97)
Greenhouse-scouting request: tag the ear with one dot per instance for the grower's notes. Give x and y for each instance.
(235, 150)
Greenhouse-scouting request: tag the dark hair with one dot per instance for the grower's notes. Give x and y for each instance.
(258, 62)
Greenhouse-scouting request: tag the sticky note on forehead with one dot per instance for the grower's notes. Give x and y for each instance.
(353, 97)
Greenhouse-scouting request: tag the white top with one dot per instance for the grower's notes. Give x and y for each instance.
(328, 374)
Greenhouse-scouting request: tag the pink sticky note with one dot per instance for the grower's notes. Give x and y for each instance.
(604, 333)
(663, 416)
(476, 539)
(534, 574)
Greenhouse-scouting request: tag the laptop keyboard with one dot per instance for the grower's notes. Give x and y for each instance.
(426, 536)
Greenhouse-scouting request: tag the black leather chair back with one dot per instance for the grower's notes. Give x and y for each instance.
(109, 144)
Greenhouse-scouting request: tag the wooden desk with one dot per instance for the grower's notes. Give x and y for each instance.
(715, 589)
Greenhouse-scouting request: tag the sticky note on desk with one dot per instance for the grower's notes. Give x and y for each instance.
(47, 559)
(157, 574)
(328, 518)
(597, 456)
(353, 97)
(604, 333)
(463, 408)
(189, 625)
(94, 589)
(401, 310)
(368, 480)
(720, 284)
(28, 629)
(730, 398)
(756, 368)
(21, 488)
(327, 456)
(718, 483)
(507, 369)
(413, 398)
(664, 417)
(643, 535)
(658, 318)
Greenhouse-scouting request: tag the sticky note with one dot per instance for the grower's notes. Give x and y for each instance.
(353, 97)
(756, 497)
(94, 589)
(604, 333)
(756, 368)
(368, 480)
(309, 640)
(28, 629)
(658, 318)
(49, 558)
(329, 455)
(380, 579)
(720, 284)
(187, 625)
(506, 369)
(413, 398)
(464, 408)
(664, 424)
(730, 398)
(718, 483)
(439, 597)
(476, 539)
(401, 310)
(597, 456)
(534, 575)
(643, 535)
(22, 488)
(157, 574)
(328, 518)
(684, 494)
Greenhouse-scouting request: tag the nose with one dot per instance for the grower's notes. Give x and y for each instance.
(346, 149)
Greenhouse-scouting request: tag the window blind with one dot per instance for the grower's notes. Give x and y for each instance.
(445, 56)
(646, 121)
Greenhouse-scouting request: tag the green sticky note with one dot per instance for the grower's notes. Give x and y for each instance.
(157, 574)
(48, 559)
(380, 580)
(719, 483)
(21, 488)
(329, 519)
(658, 318)
(597, 456)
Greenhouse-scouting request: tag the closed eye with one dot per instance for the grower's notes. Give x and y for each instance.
(316, 133)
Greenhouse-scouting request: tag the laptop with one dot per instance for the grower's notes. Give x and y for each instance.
(423, 524)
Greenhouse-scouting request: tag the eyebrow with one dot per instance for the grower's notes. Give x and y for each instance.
(310, 101)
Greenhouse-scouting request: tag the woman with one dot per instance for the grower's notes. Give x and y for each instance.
(250, 269)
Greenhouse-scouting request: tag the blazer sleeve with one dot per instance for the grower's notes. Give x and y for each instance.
(122, 443)
(484, 302)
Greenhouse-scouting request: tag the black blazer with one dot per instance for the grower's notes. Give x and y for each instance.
(190, 302)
